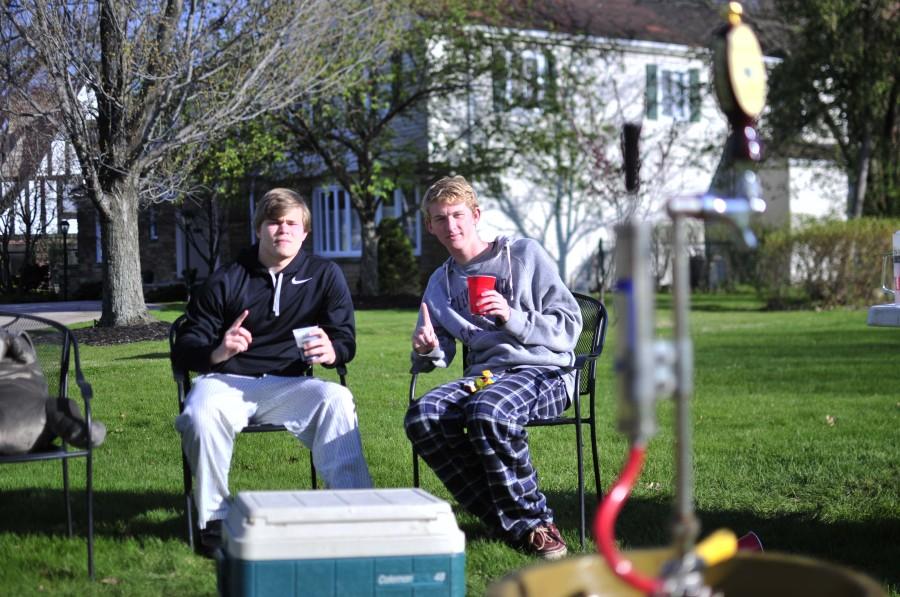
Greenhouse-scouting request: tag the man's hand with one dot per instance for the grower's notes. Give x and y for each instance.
(493, 303)
(237, 339)
(317, 348)
(424, 340)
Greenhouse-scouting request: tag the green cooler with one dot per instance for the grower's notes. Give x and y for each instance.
(341, 543)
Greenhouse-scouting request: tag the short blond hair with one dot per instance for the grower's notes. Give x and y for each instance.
(450, 190)
(278, 202)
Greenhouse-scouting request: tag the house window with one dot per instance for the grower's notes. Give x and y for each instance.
(336, 226)
(673, 92)
(403, 204)
(521, 78)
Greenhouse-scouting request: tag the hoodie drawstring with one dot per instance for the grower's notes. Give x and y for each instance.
(512, 290)
(447, 279)
(276, 302)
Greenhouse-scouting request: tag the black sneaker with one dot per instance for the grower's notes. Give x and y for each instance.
(211, 538)
(546, 542)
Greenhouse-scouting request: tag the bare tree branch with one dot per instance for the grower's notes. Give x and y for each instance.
(135, 82)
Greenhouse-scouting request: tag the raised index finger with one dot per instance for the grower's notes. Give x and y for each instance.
(237, 322)
(426, 318)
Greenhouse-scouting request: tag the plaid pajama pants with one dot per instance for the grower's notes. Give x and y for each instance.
(477, 443)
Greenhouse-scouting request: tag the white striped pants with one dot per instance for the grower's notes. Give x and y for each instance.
(321, 414)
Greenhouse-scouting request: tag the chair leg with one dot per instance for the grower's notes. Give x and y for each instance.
(415, 457)
(579, 441)
(67, 496)
(189, 511)
(597, 479)
(312, 472)
(188, 502)
(90, 513)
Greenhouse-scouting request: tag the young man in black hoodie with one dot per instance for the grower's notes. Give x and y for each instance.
(239, 335)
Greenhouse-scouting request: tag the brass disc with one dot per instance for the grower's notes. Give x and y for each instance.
(746, 71)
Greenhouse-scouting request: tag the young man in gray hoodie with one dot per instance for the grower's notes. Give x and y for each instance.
(471, 431)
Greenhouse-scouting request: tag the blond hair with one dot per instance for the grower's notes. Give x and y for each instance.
(278, 202)
(450, 190)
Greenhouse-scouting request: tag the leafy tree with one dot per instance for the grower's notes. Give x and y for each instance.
(360, 138)
(839, 82)
(252, 148)
(135, 82)
(566, 181)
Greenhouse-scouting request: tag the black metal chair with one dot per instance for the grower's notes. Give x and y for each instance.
(587, 350)
(183, 381)
(57, 352)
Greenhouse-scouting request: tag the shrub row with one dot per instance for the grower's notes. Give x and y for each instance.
(824, 264)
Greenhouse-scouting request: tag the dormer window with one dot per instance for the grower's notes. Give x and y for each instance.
(672, 93)
(521, 79)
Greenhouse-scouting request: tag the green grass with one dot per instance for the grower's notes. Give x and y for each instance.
(797, 437)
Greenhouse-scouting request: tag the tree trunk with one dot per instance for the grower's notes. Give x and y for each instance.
(857, 189)
(123, 297)
(561, 237)
(368, 264)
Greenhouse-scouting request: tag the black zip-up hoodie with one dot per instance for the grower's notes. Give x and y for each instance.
(309, 291)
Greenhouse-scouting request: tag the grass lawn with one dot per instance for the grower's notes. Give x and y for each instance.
(797, 437)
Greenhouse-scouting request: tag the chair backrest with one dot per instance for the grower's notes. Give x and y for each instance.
(591, 339)
(182, 376)
(56, 348)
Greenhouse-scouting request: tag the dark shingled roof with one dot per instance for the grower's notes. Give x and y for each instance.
(684, 22)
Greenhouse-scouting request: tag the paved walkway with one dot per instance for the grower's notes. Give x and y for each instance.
(67, 312)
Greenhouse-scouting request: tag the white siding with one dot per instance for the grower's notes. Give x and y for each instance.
(620, 69)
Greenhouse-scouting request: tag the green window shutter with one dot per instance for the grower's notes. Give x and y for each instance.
(499, 75)
(550, 80)
(650, 93)
(694, 91)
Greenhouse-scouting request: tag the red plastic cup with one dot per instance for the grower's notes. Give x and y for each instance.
(750, 542)
(478, 285)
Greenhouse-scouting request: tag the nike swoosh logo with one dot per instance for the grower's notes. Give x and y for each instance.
(296, 281)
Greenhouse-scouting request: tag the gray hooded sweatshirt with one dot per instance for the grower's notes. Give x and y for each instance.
(544, 320)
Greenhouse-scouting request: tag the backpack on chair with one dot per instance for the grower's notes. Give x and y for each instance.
(29, 418)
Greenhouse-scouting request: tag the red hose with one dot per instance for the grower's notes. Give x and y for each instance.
(605, 525)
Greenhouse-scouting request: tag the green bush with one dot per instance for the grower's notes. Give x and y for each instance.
(398, 270)
(34, 277)
(825, 264)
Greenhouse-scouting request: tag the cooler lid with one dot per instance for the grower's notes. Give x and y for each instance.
(286, 507)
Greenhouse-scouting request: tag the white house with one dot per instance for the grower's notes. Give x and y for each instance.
(609, 62)
(624, 61)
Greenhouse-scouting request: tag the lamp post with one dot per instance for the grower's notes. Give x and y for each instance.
(188, 221)
(64, 228)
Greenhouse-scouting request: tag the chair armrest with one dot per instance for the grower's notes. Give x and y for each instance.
(583, 359)
(178, 374)
(414, 376)
(87, 392)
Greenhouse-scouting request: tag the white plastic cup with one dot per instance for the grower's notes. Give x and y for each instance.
(302, 335)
